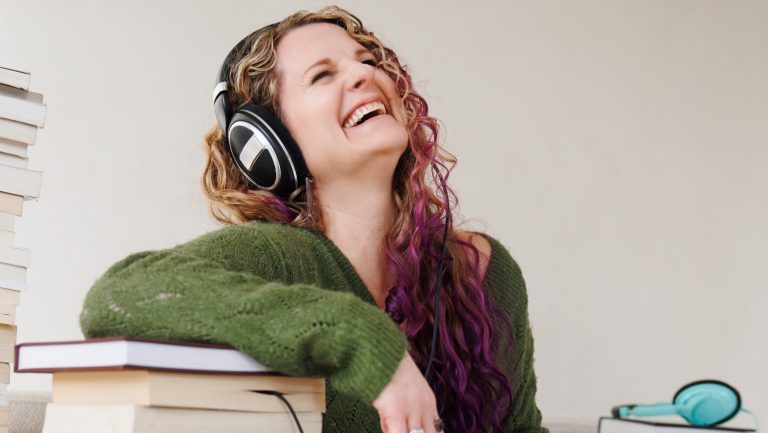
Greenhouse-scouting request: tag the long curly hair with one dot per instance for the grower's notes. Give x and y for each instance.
(473, 394)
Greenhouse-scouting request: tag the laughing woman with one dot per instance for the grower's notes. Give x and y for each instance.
(339, 257)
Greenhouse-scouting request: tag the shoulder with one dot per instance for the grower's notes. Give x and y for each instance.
(483, 245)
(269, 249)
(254, 234)
(504, 278)
(496, 262)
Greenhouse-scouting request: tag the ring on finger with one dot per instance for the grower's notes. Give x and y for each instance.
(439, 426)
(416, 430)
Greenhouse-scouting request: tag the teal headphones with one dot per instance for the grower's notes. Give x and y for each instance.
(703, 403)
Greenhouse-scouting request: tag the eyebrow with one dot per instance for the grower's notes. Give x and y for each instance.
(326, 60)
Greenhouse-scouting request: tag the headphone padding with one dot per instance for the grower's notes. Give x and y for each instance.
(280, 168)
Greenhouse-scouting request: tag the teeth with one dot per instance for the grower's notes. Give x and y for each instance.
(362, 111)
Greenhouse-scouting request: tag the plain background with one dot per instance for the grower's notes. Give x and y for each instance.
(617, 148)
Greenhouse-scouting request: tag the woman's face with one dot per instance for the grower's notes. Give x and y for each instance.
(325, 76)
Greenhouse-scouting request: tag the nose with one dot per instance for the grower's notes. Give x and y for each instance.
(360, 75)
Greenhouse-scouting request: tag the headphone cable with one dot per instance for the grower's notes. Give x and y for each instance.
(281, 396)
(439, 277)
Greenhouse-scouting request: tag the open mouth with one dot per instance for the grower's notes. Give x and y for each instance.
(365, 113)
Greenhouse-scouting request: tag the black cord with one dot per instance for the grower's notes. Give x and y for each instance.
(439, 278)
(281, 396)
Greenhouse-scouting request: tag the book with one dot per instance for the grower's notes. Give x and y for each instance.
(7, 341)
(14, 161)
(10, 203)
(12, 275)
(236, 392)
(632, 425)
(140, 419)
(14, 78)
(9, 296)
(18, 286)
(132, 353)
(7, 314)
(7, 221)
(5, 372)
(20, 181)
(15, 256)
(7, 238)
(13, 147)
(22, 106)
(17, 131)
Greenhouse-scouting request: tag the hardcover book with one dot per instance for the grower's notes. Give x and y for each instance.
(140, 419)
(22, 106)
(632, 425)
(132, 353)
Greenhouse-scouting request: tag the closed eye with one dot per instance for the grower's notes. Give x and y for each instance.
(322, 74)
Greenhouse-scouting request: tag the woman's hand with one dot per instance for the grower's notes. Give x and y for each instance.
(407, 402)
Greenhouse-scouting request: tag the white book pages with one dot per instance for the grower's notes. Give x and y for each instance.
(7, 238)
(13, 273)
(20, 181)
(123, 418)
(15, 256)
(7, 222)
(19, 286)
(13, 147)
(17, 131)
(138, 354)
(22, 106)
(11, 203)
(14, 161)
(15, 78)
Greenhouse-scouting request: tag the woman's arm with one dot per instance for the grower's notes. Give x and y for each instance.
(226, 287)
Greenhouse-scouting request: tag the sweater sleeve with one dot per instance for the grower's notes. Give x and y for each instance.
(509, 291)
(221, 288)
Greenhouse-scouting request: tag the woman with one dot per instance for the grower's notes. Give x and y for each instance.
(339, 275)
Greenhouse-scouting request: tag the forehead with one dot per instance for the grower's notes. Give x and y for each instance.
(303, 46)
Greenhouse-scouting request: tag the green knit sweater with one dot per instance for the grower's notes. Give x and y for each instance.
(290, 299)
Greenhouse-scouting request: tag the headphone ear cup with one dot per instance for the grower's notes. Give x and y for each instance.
(265, 152)
(706, 403)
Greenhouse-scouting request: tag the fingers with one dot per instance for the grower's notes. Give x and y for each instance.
(428, 423)
(407, 403)
(393, 424)
(409, 418)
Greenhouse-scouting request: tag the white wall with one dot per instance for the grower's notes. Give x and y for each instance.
(618, 148)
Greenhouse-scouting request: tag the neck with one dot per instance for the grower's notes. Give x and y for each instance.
(357, 218)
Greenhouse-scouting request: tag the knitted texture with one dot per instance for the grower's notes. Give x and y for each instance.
(290, 299)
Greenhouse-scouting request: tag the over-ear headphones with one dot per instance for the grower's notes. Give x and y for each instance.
(258, 142)
(703, 403)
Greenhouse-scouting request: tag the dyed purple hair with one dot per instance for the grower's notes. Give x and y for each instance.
(466, 377)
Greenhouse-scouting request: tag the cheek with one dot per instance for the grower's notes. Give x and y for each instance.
(395, 103)
(309, 128)
(312, 116)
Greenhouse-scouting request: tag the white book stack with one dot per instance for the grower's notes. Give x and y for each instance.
(22, 113)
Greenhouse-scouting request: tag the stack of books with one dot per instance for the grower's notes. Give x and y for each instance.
(141, 386)
(21, 114)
